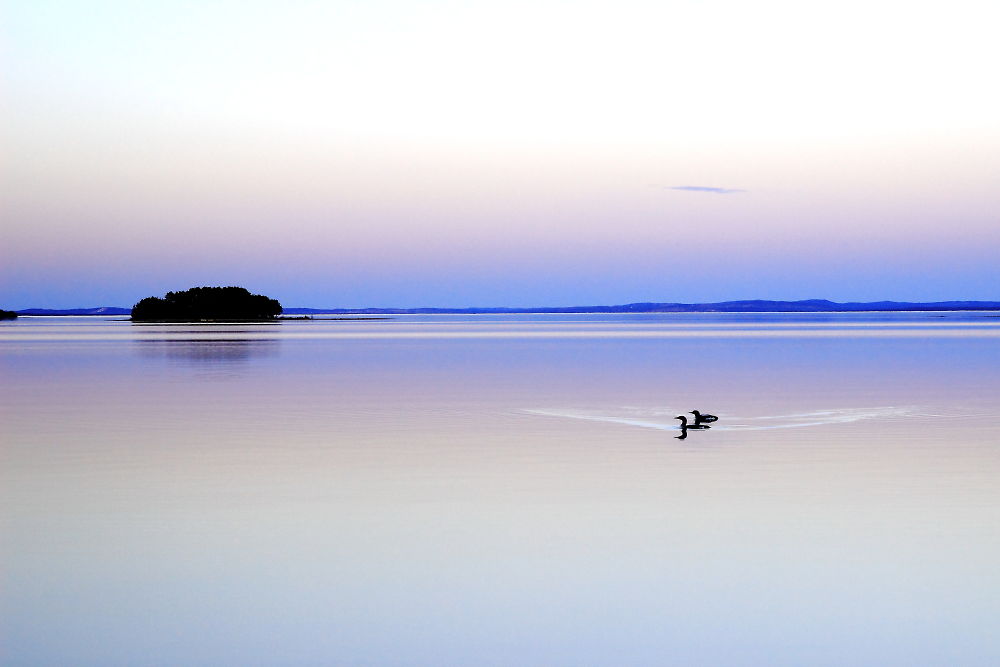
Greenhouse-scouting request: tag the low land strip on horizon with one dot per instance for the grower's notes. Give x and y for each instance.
(752, 306)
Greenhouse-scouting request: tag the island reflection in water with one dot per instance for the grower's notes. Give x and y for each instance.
(213, 351)
(452, 491)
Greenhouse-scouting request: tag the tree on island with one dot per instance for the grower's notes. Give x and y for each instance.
(7, 315)
(206, 303)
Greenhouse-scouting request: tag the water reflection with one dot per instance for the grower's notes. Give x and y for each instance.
(499, 492)
(685, 428)
(199, 351)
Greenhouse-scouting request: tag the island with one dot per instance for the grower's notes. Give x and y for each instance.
(7, 315)
(207, 304)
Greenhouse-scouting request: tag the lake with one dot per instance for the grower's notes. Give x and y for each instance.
(502, 490)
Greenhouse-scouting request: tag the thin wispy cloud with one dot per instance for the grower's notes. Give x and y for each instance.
(705, 188)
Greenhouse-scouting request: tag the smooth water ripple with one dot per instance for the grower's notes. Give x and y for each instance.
(654, 417)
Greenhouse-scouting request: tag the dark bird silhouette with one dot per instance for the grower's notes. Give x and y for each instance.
(685, 426)
(703, 419)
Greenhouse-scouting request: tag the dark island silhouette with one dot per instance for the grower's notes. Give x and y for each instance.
(7, 315)
(207, 304)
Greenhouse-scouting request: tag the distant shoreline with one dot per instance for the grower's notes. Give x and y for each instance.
(751, 306)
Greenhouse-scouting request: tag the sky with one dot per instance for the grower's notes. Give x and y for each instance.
(539, 153)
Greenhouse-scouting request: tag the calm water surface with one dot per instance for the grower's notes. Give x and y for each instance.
(502, 490)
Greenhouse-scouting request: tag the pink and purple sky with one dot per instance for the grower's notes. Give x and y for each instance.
(388, 153)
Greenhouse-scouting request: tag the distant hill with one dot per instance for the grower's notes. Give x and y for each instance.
(102, 310)
(753, 306)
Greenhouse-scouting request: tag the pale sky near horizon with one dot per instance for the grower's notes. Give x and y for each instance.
(390, 153)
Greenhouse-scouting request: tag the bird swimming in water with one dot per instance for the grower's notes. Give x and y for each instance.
(685, 426)
(703, 419)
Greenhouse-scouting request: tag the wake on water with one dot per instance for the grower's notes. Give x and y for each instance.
(664, 419)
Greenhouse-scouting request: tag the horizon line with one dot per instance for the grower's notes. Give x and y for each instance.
(636, 306)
